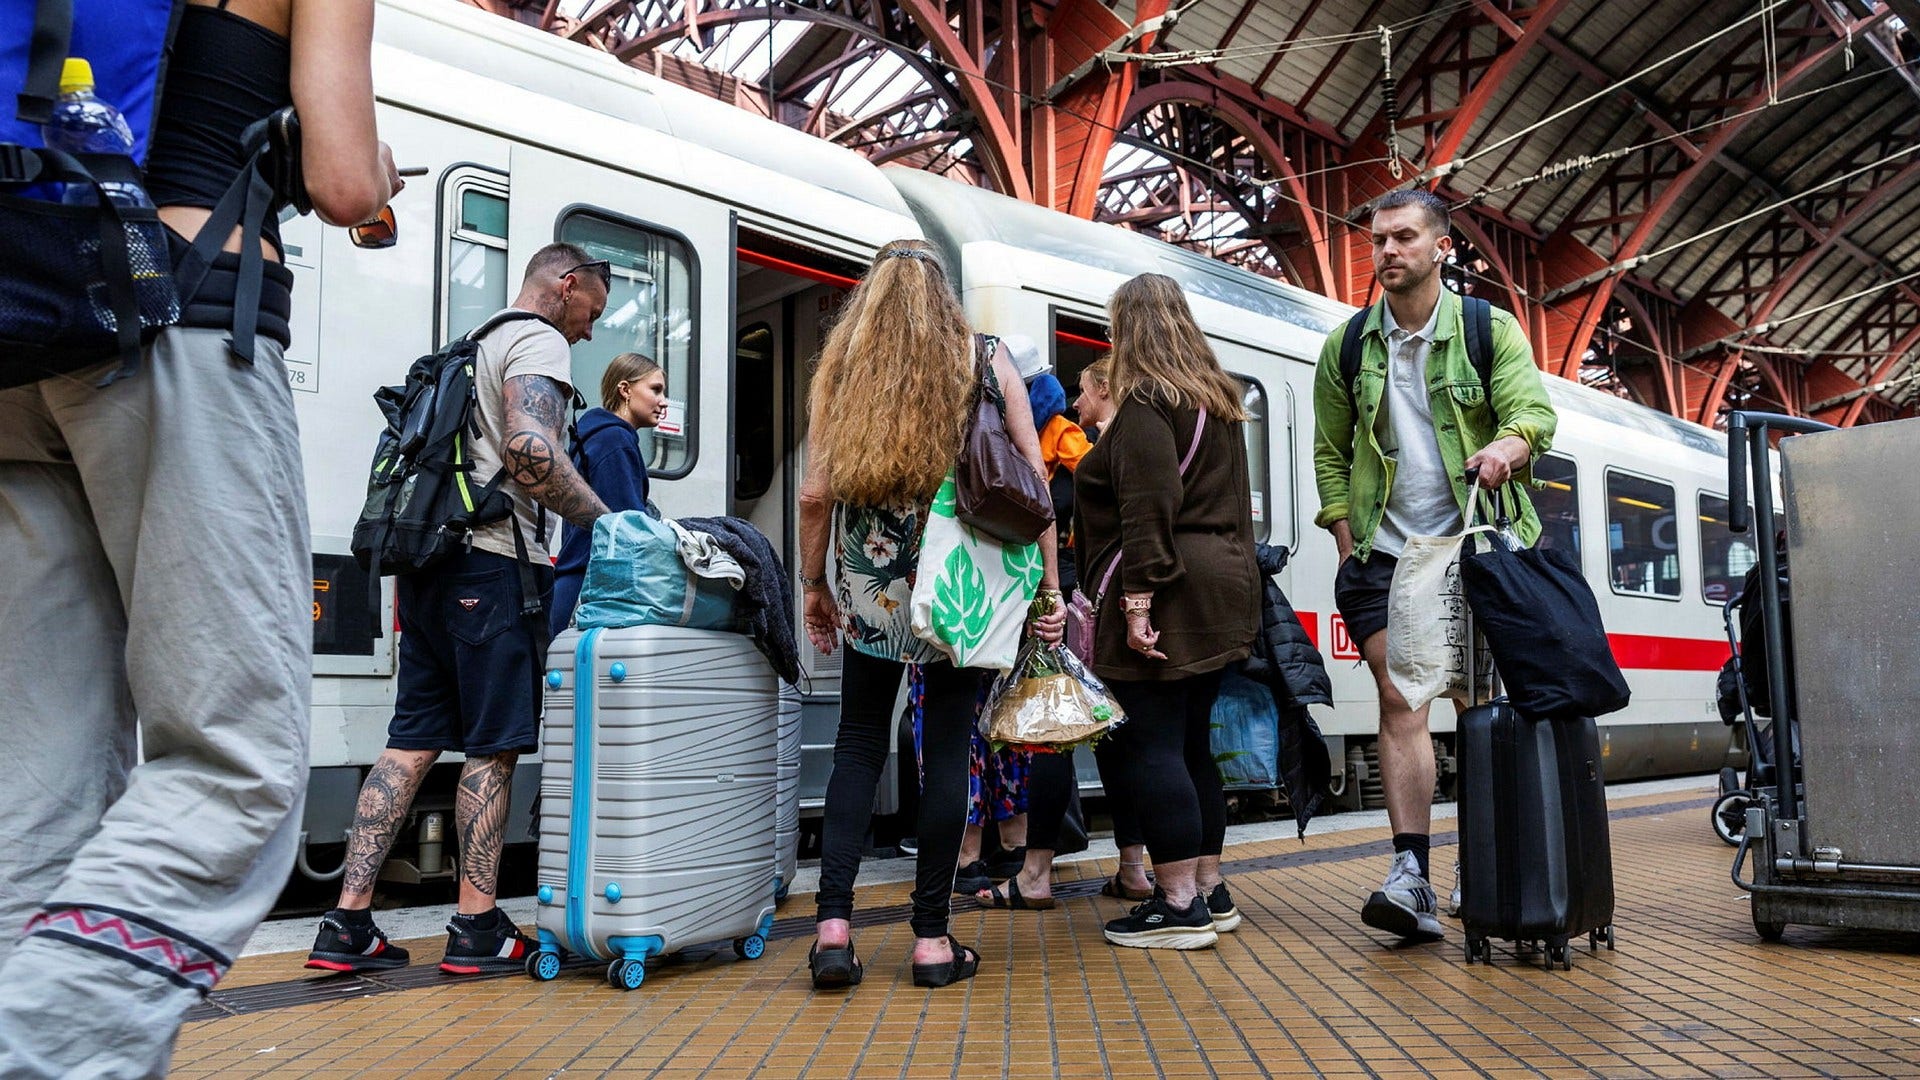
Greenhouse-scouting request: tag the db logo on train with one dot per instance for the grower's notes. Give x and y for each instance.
(1343, 646)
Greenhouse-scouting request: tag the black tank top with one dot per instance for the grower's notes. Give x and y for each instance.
(226, 72)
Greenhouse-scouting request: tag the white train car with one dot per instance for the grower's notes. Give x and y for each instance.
(732, 238)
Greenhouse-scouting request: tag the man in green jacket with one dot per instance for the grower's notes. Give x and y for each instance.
(1390, 453)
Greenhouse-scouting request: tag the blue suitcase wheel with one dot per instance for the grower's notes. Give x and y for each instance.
(750, 948)
(780, 892)
(626, 974)
(543, 966)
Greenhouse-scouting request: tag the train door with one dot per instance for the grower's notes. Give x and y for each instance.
(668, 301)
(786, 295)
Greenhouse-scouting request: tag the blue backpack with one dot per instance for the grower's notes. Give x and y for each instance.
(78, 284)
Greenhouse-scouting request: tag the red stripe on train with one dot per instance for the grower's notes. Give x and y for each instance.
(1634, 651)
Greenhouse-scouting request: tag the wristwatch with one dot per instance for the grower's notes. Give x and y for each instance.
(813, 582)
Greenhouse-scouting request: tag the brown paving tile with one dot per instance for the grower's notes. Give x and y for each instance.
(1301, 988)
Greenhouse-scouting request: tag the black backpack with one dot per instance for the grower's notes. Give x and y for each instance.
(423, 502)
(1477, 314)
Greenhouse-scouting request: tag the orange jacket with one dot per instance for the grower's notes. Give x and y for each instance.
(1063, 443)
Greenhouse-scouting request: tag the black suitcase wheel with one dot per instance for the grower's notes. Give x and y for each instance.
(1474, 944)
(1730, 817)
(1559, 954)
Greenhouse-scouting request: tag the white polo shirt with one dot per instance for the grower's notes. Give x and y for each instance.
(1421, 501)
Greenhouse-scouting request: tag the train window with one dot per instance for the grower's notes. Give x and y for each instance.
(1259, 465)
(1557, 501)
(1724, 557)
(476, 254)
(755, 454)
(1642, 538)
(650, 312)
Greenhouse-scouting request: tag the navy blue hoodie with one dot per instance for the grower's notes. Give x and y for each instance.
(607, 453)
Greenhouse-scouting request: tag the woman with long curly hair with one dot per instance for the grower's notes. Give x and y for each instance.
(1165, 494)
(890, 405)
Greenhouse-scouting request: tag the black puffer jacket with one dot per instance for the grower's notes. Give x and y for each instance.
(1283, 645)
(1284, 658)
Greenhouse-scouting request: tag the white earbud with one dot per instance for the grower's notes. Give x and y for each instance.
(1439, 255)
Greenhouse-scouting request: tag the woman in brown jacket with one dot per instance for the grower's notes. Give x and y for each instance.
(1165, 492)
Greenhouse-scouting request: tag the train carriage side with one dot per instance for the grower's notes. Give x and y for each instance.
(1030, 270)
(531, 139)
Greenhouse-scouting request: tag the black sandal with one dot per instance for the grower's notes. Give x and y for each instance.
(964, 964)
(1013, 901)
(971, 879)
(834, 969)
(1114, 888)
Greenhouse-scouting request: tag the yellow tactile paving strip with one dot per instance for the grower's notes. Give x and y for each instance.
(1300, 990)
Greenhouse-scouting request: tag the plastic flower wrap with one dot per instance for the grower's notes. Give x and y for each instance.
(1050, 702)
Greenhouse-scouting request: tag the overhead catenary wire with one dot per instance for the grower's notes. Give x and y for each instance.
(1580, 163)
(1627, 265)
(1568, 167)
(1448, 168)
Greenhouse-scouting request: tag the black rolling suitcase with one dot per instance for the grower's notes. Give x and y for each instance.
(1536, 860)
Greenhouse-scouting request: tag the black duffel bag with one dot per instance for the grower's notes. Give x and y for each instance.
(1540, 621)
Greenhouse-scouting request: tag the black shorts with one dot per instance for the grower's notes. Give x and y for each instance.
(470, 660)
(1360, 592)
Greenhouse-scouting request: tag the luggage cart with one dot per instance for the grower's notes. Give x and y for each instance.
(1831, 837)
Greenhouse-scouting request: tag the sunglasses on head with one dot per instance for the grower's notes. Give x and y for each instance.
(602, 267)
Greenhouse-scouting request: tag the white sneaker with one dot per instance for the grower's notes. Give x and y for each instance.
(1405, 904)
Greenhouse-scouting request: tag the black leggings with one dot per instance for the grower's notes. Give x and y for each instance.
(868, 687)
(1163, 758)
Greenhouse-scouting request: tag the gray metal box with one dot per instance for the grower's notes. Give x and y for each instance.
(1853, 527)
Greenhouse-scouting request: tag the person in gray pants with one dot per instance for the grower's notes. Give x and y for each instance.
(155, 601)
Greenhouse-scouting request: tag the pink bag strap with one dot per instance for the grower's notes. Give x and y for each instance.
(1193, 449)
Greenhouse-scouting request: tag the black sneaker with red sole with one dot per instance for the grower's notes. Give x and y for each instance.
(344, 947)
(473, 951)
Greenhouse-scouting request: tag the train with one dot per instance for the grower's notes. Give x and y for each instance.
(732, 240)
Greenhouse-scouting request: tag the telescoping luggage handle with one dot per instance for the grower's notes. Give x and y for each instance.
(1502, 530)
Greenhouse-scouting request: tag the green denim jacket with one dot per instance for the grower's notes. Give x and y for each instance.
(1353, 475)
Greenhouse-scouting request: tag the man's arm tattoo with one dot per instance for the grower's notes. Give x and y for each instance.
(480, 811)
(383, 805)
(536, 410)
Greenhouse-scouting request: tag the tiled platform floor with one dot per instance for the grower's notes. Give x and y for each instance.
(1302, 989)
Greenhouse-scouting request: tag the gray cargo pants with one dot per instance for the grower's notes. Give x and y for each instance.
(155, 597)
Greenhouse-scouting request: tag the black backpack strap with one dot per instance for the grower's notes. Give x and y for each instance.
(1350, 346)
(46, 55)
(246, 204)
(530, 605)
(1479, 327)
(511, 315)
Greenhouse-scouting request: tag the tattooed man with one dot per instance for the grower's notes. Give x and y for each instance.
(471, 654)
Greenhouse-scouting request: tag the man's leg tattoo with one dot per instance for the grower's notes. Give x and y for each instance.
(384, 801)
(480, 811)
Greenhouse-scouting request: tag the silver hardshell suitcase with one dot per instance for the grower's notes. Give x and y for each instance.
(786, 833)
(658, 797)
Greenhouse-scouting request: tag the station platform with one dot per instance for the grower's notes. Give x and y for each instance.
(1301, 989)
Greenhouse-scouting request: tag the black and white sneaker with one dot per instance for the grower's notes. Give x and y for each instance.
(343, 945)
(1155, 924)
(472, 950)
(1226, 917)
(1405, 904)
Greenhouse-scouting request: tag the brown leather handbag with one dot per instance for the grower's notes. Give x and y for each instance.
(997, 492)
